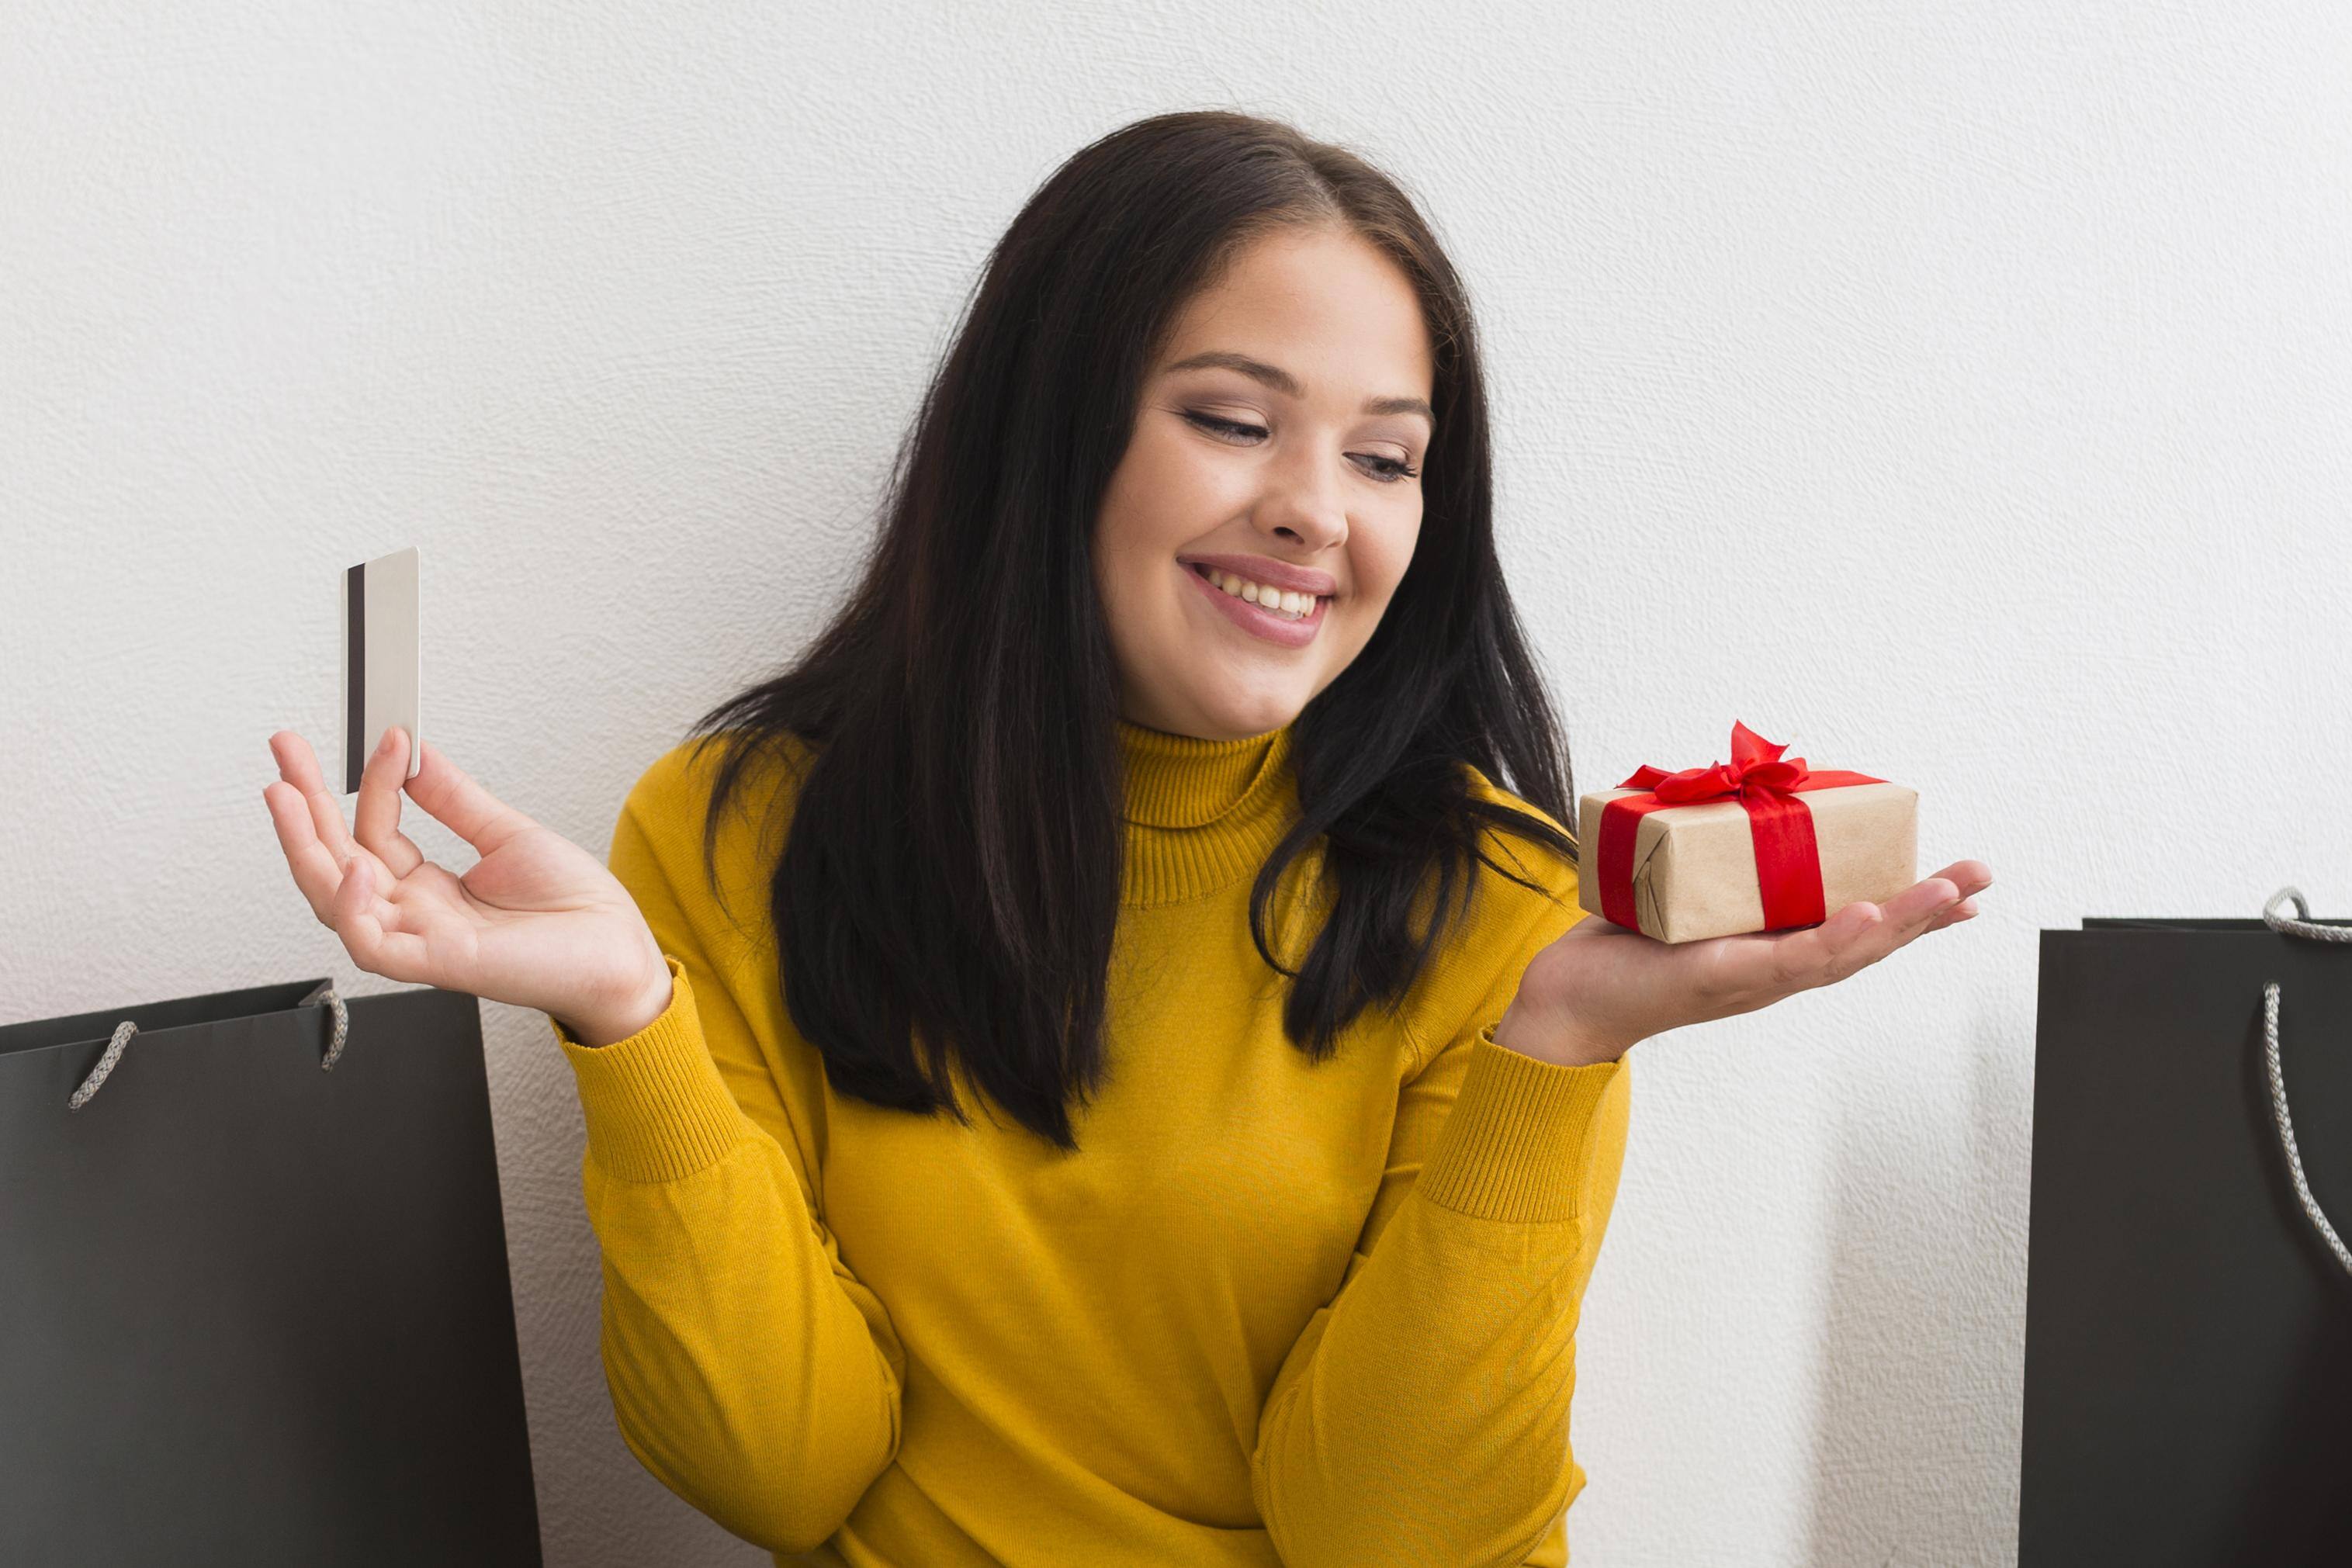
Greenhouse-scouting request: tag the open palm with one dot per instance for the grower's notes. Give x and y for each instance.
(1607, 986)
(537, 922)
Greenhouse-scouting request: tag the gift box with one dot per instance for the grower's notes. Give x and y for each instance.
(1758, 843)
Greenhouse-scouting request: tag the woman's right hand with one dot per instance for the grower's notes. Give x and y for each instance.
(538, 921)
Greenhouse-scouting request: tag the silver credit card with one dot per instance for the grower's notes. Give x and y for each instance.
(382, 665)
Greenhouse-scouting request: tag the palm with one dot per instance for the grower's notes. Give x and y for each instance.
(1617, 986)
(537, 921)
(518, 910)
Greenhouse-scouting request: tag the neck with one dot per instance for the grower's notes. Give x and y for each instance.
(1201, 815)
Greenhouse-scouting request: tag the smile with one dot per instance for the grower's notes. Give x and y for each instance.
(1271, 622)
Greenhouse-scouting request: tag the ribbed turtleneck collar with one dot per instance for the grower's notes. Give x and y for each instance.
(1201, 814)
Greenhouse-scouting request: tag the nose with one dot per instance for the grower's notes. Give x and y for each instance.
(1303, 503)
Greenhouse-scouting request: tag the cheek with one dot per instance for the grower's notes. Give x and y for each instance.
(1136, 532)
(1152, 500)
(1383, 549)
(1166, 495)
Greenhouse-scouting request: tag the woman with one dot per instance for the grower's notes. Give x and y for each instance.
(1150, 792)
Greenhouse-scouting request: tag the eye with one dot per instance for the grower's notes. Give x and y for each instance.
(1387, 470)
(1224, 429)
(1390, 470)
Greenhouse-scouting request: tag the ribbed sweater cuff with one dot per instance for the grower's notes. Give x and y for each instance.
(1518, 1142)
(654, 1102)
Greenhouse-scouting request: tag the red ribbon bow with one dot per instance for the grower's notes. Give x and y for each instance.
(1788, 858)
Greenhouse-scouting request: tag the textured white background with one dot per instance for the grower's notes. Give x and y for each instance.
(1956, 391)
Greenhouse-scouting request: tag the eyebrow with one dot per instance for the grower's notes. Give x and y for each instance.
(1283, 381)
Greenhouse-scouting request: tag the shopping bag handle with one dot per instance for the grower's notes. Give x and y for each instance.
(324, 992)
(2305, 926)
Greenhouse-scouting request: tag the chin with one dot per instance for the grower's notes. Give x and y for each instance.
(1236, 717)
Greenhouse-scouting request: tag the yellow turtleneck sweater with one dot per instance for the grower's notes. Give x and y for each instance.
(1269, 1313)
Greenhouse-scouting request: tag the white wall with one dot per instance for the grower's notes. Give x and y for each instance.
(1956, 391)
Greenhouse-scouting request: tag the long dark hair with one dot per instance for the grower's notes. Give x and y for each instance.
(951, 876)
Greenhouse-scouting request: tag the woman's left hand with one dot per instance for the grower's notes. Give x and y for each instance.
(1598, 989)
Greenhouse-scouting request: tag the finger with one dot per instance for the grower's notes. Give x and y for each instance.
(1818, 954)
(298, 768)
(1906, 915)
(360, 920)
(1910, 910)
(1903, 918)
(375, 822)
(312, 864)
(1857, 936)
(1937, 909)
(1966, 909)
(1969, 876)
(468, 810)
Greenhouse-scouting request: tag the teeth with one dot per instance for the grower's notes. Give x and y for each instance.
(1294, 606)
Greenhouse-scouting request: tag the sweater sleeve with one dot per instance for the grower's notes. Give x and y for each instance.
(1423, 1415)
(750, 1371)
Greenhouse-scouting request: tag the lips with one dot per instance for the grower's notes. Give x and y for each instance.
(1279, 630)
(1267, 572)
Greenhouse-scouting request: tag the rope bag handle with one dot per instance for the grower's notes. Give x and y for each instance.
(2292, 927)
(325, 992)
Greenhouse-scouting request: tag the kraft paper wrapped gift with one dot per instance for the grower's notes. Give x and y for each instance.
(1758, 844)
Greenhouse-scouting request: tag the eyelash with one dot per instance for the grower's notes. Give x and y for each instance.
(1394, 473)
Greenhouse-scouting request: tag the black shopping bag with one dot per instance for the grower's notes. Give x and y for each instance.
(254, 1306)
(2189, 1300)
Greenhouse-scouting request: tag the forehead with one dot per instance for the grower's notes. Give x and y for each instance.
(1329, 308)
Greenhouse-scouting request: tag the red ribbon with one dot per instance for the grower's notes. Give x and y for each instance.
(1788, 858)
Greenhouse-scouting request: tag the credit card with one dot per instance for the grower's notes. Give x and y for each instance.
(382, 664)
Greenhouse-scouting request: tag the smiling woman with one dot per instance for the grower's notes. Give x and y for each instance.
(1176, 783)
(1300, 487)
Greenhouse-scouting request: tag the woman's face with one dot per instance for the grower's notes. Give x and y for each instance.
(1278, 443)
